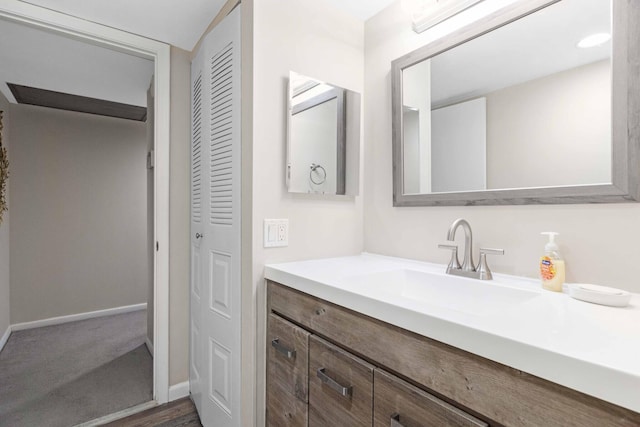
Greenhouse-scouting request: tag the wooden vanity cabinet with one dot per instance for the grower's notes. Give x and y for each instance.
(464, 383)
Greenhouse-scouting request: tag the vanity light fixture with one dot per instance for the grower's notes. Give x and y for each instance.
(594, 40)
(428, 13)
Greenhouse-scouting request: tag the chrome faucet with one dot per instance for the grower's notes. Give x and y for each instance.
(467, 262)
(468, 268)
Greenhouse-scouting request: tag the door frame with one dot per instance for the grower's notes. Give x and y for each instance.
(99, 35)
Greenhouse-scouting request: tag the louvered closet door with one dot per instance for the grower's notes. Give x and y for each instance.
(217, 335)
(196, 346)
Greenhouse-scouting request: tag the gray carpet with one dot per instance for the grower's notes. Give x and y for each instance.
(67, 374)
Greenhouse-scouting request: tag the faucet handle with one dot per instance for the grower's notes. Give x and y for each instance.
(483, 268)
(490, 251)
(454, 264)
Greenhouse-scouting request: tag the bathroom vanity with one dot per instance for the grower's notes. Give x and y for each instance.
(372, 340)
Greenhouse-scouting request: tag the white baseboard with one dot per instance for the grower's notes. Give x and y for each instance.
(118, 415)
(5, 337)
(147, 342)
(80, 316)
(178, 391)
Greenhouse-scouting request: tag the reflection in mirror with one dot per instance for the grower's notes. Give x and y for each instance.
(323, 137)
(522, 106)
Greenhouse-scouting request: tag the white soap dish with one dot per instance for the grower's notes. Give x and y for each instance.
(600, 294)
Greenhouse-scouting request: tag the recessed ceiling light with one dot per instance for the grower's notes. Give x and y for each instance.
(594, 40)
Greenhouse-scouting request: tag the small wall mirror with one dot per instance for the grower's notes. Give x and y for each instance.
(323, 144)
(517, 108)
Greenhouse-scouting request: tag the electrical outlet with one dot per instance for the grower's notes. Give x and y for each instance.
(283, 233)
(276, 233)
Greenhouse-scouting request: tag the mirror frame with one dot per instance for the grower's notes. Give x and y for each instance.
(625, 72)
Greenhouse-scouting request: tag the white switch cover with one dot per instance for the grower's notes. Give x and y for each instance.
(276, 233)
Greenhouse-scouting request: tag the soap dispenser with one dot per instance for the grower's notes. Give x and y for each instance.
(552, 265)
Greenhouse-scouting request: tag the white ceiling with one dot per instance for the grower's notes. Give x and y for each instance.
(45, 60)
(360, 9)
(176, 22)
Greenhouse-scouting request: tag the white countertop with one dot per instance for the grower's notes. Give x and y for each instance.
(590, 348)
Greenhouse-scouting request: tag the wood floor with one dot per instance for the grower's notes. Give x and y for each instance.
(179, 413)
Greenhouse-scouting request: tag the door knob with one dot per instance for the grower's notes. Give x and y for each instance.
(199, 236)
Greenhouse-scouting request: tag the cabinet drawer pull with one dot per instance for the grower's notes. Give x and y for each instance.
(344, 391)
(395, 421)
(275, 343)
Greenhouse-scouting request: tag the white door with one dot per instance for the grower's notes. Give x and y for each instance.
(197, 230)
(215, 226)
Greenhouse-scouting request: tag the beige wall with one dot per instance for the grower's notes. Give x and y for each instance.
(78, 200)
(306, 37)
(179, 217)
(4, 231)
(558, 125)
(598, 241)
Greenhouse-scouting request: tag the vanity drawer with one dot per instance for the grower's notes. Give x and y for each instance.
(340, 387)
(288, 357)
(399, 404)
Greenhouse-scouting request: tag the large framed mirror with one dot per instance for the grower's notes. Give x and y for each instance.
(538, 103)
(323, 137)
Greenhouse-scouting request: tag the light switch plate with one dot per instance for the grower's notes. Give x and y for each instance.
(276, 233)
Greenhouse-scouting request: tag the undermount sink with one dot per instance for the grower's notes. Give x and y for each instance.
(470, 296)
